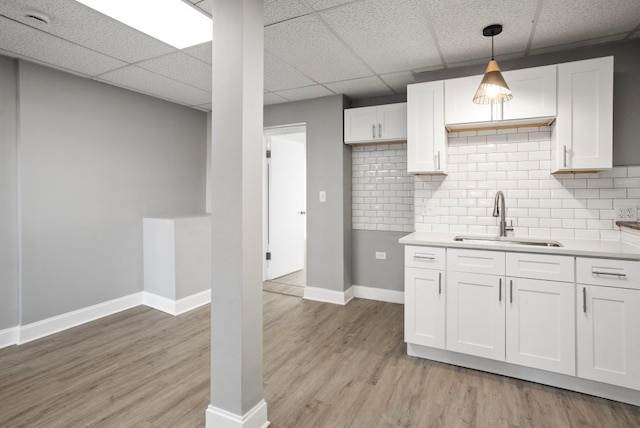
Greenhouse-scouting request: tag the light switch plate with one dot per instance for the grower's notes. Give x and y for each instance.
(381, 255)
(323, 196)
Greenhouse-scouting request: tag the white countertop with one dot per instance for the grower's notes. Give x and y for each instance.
(571, 247)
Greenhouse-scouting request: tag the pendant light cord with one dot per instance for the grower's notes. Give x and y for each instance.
(492, 58)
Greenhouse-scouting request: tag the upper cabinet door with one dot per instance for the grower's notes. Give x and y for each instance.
(534, 93)
(376, 124)
(426, 135)
(392, 122)
(459, 106)
(360, 124)
(584, 126)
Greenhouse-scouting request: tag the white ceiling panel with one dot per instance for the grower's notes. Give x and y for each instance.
(278, 75)
(205, 5)
(326, 4)
(29, 43)
(310, 47)
(150, 83)
(459, 23)
(399, 81)
(389, 35)
(359, 88)
(570, 21)
(84, 26)
(281, 10)
(305, 93)
(181, 67)
(272, 98)
(203, 52)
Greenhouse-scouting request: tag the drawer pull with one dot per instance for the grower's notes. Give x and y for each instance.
(420, 257)
(584, 299)
(618, 275)
(499, 289)
(511, 291)
(439, 283)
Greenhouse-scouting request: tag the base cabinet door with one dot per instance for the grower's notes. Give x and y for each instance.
(424, 307)
(608, 341)
(476, 314)
(540, 324)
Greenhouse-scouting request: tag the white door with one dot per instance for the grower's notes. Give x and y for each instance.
(286, 205)
(475, 314)
(424, 307)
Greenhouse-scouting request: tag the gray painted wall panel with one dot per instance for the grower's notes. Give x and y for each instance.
(367, 270)
(95, 160)
(328, 169)
(8, 196)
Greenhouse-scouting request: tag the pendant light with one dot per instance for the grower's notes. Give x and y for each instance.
(493, 89)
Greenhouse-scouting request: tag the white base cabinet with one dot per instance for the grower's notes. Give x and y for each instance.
(424, 307)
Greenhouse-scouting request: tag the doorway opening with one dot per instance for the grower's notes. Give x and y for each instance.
(285, 225)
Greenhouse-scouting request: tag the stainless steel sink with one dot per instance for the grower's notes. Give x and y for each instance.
(508, 240)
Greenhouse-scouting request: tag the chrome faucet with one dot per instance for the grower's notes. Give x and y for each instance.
(501, 211)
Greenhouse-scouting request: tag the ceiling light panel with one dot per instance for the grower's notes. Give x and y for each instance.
(171, 21)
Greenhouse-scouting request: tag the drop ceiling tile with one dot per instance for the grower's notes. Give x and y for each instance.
(326, 4)
(205, 5)
(181, 67)
(399, 81)
(306, 44)
(278, 75)
(272, 98)
(33, 44)
(569, 21)
(389, 35)
(281, 10)
(361, 88)
(203, 52)
(315, 91)
(562, 47)
(84, 26)
(141, 80)
(459, 24)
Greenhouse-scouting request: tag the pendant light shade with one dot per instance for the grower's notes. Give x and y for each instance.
(493, 89)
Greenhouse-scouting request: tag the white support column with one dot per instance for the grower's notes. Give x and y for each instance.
(236, 195)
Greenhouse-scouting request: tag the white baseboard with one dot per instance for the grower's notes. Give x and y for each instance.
(254, 418)
(176, 307)
(328, 296)
(48, 326)
(9, 337)
(379, 294)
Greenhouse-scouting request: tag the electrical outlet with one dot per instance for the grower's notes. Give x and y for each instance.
(631, 214)
(619, 213)
(381, 255)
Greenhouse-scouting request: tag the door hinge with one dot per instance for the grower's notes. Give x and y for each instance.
(269, 256)
(268, 154)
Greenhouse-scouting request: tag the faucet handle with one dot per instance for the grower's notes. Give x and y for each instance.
(510, 227)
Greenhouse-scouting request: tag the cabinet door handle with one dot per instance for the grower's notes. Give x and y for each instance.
(379, 130)
(438, 160)
(619, 275)
(420, 257)
(373, 131)
(511, 291)
(499, 289)
(584, 299)
(565, 156)
(439, 283)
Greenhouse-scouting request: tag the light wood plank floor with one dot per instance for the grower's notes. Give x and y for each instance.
(325, 366)
(291, 284)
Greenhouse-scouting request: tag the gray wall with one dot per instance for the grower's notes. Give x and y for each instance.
(329, 169)
(94, 160)
(370, 272)
(8, 195)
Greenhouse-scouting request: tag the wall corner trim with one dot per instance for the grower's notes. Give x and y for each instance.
(328, 296)
(379, 294)
(254, 418)
(176, 307)
(9, 337)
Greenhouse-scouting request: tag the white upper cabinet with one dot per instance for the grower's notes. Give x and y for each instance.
(583, 134)
(375, 124)
(426, 135)
(534, 93)
(534, 97)
(459, 106)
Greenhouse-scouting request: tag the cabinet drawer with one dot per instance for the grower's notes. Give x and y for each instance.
(424, 257)
(476, 261)
(609, 272)
(541, 266)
